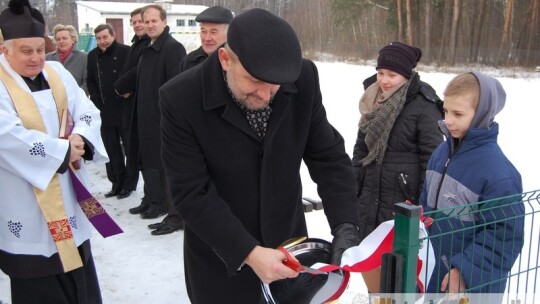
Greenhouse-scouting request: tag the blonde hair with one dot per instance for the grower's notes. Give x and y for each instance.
(72, 31)
(464, 84)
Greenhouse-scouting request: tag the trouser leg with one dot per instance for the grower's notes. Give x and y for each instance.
(116, 166)
(132, 168)
(173, 216)
(154, 195)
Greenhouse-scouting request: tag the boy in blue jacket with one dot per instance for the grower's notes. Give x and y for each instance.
(475, 244)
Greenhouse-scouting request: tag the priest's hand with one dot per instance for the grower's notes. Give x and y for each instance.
(77, 147)
(268, 264)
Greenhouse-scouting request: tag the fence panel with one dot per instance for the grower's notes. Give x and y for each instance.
(489, 249)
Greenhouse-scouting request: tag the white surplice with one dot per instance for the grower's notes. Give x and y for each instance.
(30, 158)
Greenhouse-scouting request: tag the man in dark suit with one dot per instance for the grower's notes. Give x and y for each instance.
(105, 62)
(125, 86)
(214, 22)
(160, 62)
(235, 130)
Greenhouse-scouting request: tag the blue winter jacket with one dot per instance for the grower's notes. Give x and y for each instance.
(482, 240)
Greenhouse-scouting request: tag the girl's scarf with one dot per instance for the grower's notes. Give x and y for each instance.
(379, 112)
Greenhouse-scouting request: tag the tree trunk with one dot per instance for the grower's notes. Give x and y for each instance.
(534, 40)
(447, 13)
(409, 23)
(400, 20)
(503, 53)
(428, 42)
(453, 31)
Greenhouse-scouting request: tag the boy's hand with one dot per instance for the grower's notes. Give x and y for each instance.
(453, 282)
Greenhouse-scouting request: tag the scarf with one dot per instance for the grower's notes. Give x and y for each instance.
(379, 112)
(257, 119)
(64, 55)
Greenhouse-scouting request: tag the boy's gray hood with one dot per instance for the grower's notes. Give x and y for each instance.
(492, 100)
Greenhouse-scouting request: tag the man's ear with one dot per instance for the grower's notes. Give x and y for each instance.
(224, 58)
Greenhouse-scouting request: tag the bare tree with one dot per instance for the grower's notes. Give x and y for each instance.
(534, 39)
(400, 19)
(504, 46)
(409, 23)
(454, 30)
(427, 31)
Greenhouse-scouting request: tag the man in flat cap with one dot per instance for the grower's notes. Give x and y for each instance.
(44, 233)
(235, 130)
(214, 22)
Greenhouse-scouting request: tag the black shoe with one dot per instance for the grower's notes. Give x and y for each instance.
(156, 225)
(114, 192)
(152, 213)
(123, 194)
(166, 229)
(139, 209)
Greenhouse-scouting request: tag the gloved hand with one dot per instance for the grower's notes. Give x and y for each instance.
(346, 235)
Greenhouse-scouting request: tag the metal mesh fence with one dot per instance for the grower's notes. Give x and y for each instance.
(488, 250)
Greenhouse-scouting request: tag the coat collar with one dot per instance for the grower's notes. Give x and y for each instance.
(137, 39)
(196, 55)
(158, 44)
(108, 50)
(216, 95)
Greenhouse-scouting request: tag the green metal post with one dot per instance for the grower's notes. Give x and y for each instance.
(406, 242)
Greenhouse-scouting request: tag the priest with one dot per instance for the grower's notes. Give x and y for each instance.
(48, 129)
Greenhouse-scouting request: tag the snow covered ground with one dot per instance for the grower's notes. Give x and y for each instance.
(136, 267)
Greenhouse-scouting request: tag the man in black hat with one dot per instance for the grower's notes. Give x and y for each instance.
(235, 130)
(44, 234)
(214, 22)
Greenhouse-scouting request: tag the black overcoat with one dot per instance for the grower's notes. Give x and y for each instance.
(159, 63)
(127, 82)
(103, 69)
(192, 59)
(234, 190)
(414, 136)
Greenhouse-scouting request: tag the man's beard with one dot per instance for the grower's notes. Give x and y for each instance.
(243, 99)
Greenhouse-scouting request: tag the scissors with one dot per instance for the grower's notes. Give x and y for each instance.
(294, 264)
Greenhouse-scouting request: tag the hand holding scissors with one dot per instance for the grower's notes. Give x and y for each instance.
(295, 265)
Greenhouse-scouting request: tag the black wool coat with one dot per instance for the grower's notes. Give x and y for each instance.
(236, 191)
(159, 63)
(127, 81)
(414, 136)
(192, 59)
(103, 69)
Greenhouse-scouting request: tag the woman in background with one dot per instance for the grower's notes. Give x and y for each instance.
(73, 60)
(397, 132)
